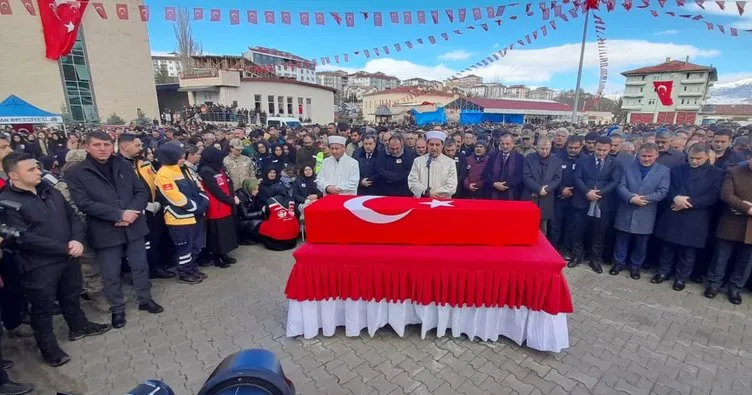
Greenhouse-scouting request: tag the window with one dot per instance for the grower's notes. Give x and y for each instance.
(651, 102)
(78, 91)
(300, 105)
(685, 89)
(688, 75)
(639, 101)
(257, 102)
(271, 105)
(640, 90)
(289, 105)
(682, 102)
(281, 104)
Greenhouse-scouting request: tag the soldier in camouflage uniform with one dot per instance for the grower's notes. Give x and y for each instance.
(239, 167)
(526, 146)
(92, 284)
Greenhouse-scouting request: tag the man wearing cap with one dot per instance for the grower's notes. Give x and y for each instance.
(668, 156)
(526, 143)
(239, 167)
(435, 174)
(340, 174)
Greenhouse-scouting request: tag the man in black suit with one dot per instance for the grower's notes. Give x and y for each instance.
(503, 174)
(562, 225)
(668, 156)
(595, 179)
(105, 188)
(366, 157)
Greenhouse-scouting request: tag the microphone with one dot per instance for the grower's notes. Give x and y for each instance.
(428, 162)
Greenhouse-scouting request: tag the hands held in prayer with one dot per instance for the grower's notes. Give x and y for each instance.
(543, 191)
(639, 200)
(681, 203)
(75, 249)
(473, 188)
(128, 217)
(366, 182)
(312, 197)
(566, 193)
(594, 195)
(332, 190)
(500, 186)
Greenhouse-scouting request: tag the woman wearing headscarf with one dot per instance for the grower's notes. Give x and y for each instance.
(221, 234)
(55, 145)
(250, 212)
(290, 152)
(278, 159)
(32, 146)
(262, 158)
(272, 188)
(304, 190)
(17, 143)
(49, 164)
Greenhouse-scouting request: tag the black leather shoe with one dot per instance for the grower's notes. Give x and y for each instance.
(228, 259)
(710, 293)
(696, 279)
(11, 388)
(616, 270)
(574, 262)
(634, 274)
(190, 279)
(206, 263)
(161, 273)
(735, 297)
(201, 274)
(658, 278)
(91, 329)
(56, 358)
(679, 285)
(596, 266)
(151, 306)
(118, 319)
(222, 264)
(7, 364)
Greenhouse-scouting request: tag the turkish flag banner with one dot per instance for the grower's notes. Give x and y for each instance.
(216, 15)
(252, 16)
(198, 14)
(400, 220)
(169, 13)
(99, 8)
(60, 23)
(269, 17)
(663, 90)
(286, 17)
(122, 11)
(5, 7)
(29, 5)
(305, 19)
(144, 11)
(234, 17)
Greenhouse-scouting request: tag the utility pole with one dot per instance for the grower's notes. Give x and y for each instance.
(579, 71)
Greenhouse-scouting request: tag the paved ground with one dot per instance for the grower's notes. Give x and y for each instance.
(626, 337)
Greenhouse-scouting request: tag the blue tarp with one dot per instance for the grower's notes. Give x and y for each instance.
(14, 110)
(470, 117)
(427, 118)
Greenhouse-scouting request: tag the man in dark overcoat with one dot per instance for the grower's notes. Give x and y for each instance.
(541, 177)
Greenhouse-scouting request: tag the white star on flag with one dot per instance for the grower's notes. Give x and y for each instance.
(439, 203)
(69, 26)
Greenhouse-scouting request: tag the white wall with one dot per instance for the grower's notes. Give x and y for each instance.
(320, 109)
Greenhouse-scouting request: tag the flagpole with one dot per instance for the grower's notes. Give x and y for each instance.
(579, 71)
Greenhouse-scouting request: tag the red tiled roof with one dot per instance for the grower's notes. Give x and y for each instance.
(509, 104)
(668, 67)
(410, 89)
(728, 109)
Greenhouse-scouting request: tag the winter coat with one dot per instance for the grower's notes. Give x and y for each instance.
(391, 173)
(511, 173)
(634, 219)
(735, 224)
(538, 173)
(587, 176)
(475, 167)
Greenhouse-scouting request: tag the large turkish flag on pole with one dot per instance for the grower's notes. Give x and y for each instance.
(60, 22)
(663, 90)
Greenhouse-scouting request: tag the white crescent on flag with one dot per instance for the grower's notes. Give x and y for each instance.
(355, 206)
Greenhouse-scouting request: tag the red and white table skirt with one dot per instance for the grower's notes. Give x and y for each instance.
(484, 292)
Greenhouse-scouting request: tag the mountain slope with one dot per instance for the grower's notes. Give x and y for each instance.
(736, 92)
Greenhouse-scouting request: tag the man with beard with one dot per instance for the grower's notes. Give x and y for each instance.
(340, 174)
(542, 175)
(421, 147)
(476, 166)
(563, 211)
(306, 155)
(724, 155)
(668, 156)
(596, 177)
(367, 157)
(450, 150)
(433, 175)
(393, 168)
(590, 143)
(131, 151)
(683, 225)
(503, 174)
(354, 143)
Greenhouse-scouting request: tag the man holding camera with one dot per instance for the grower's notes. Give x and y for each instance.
(52, 236)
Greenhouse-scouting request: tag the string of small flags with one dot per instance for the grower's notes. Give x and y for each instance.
(600, 34)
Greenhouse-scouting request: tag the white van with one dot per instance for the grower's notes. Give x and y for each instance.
(277, 122)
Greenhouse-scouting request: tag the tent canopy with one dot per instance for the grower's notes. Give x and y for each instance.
(14, 110)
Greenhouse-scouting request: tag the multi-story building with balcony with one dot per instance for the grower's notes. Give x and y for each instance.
(690, 87)
(334, 79)
(378, 80)
(284, 64)
(169, 62)
(541, 93)
(464, 81)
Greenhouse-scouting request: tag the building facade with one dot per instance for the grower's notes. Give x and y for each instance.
(465, 81)
(283, 64)
(277, 97)
(170, 62)
(689, 90)
(517, 92)
(541, 93)
(379, 80)
(334, 79)
(422, 82)
(107, 72)
(718, 113)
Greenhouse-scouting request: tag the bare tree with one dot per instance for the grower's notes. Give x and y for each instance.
(187, 45)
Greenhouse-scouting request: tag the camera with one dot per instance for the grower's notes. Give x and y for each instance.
(9, 232)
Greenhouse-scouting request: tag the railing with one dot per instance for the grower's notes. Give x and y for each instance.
(199, 73)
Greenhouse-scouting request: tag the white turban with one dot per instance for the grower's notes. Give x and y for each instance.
(436, 134)
(337, 140)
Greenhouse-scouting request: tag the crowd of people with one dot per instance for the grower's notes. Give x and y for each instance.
(165, 202)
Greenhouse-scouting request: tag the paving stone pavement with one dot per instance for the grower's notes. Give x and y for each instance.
(627, 337)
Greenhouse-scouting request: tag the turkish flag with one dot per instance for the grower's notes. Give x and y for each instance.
(234, 17)
(320, 20)
(252, 16)
(305, 19)
(663, 90)
(198, 14)
(216, 15)
(60, 22)
(269, 17)
(5, 7)
(29, 5)
(169, 13)
(349, 19)
(286, 17)
(421, 17)
(122, 11)
(377, 19)
(144, 11)
(400, 220)
(99, 8)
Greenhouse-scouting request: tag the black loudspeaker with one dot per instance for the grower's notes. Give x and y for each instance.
(248, 372)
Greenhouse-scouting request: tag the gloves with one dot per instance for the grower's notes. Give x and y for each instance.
(153, 207)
